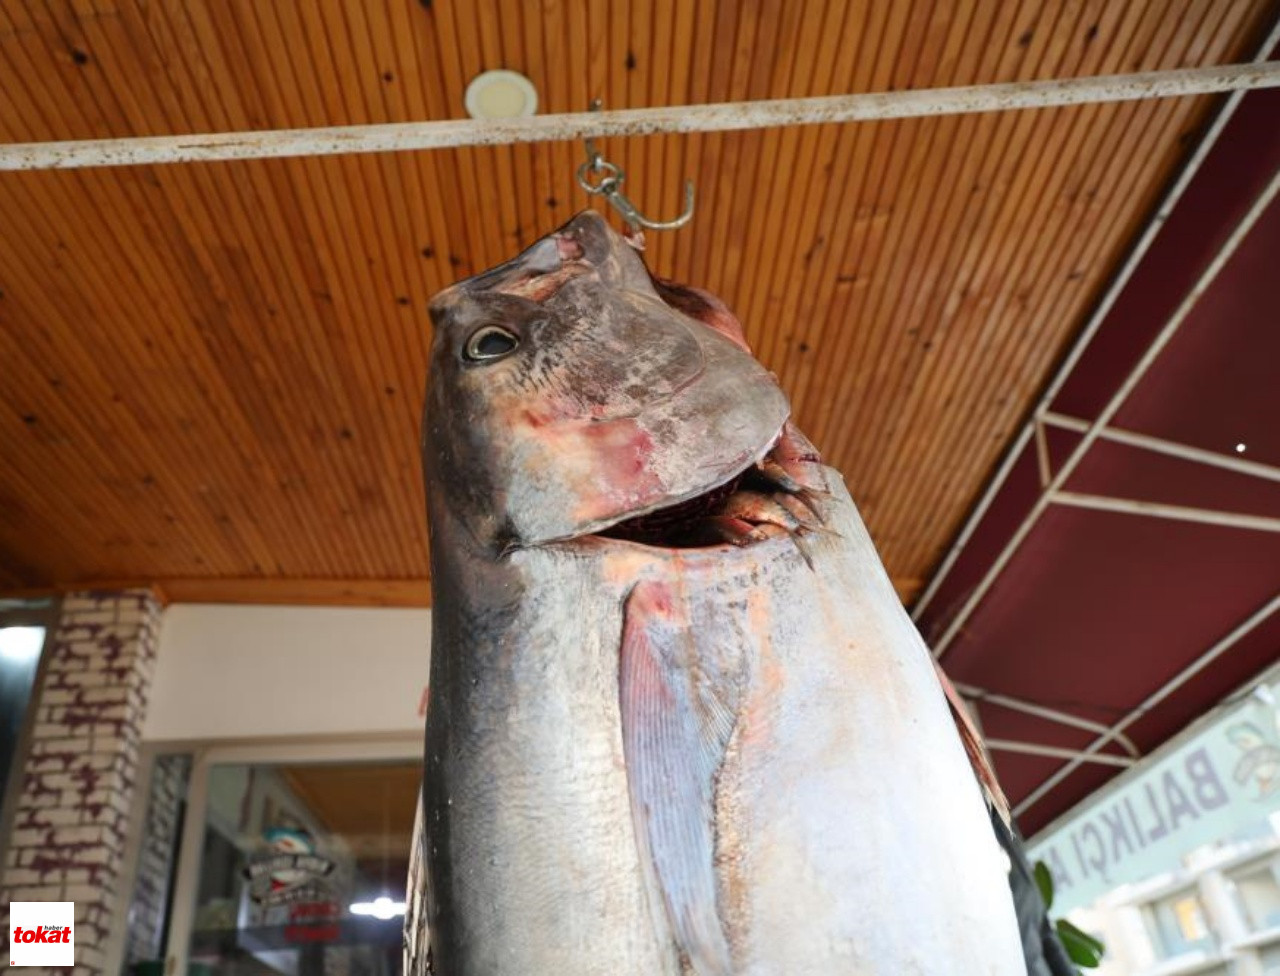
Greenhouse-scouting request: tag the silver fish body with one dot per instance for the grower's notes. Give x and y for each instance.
(724, 758)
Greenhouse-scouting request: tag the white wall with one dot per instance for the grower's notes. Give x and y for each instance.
(250, 671)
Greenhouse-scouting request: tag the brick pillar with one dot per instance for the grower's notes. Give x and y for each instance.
(78, 779)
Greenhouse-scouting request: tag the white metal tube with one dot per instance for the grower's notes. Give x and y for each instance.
(1035, 749)
(1042, 456)
(1162, 339)
(1158, 445)
(452, 133)
(1040, 711)
(1179, 513)
(1156, 697)
(1096, 317)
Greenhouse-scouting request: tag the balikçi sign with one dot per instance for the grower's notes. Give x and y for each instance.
(1219, 781)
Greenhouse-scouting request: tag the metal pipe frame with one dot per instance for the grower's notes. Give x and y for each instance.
(976, 694)
(1260, 204)
(1258, 617)
(1179, 513)
(1099, 314)
(452, 133)
(1185, 452)
(1054, 752)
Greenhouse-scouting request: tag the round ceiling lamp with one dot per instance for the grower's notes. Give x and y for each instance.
(501, 95)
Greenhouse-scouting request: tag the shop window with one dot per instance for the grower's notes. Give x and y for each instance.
(150, 908)
(1257, 893)
(20, 649)
(303, 869)
(1177, 925)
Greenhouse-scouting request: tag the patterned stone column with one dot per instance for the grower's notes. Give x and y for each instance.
(78, 779)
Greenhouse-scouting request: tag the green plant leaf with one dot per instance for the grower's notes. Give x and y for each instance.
(1082, 947)
(1044, 881)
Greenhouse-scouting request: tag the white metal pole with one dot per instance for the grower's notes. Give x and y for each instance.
(1179, 513)
(1096, 318)
(1053, 752)
(452, 133)
(1156, 697)
(1228, 462)
(1015, 704)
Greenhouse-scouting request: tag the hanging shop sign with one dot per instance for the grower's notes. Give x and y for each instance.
(1221, 780)
(289, 870)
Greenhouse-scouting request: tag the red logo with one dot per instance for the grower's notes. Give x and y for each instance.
(42, 934)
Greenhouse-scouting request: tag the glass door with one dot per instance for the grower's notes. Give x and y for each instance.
(296, 868)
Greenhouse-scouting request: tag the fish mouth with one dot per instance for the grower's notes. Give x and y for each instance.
(778, 495)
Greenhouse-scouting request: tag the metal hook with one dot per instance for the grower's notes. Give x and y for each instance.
(610, 187)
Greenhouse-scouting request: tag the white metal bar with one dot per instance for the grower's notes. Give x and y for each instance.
(1179, 513)
(1035, 749)
(1041, 711)
(1267, 677)
(1042, 455)
(1228, 462)
(1099, 314)
(1156, 697)
(1162, 339)
(451, 133)
(186, 879)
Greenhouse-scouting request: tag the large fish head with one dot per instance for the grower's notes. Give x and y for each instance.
(566, 396)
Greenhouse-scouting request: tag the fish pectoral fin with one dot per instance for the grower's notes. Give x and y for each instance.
(974, 746)
(679, 701)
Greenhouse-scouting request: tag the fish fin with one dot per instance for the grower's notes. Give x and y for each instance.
(416, 942)
(974, 747)
(679, 707)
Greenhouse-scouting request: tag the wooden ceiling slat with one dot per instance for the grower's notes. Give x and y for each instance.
(85, 319)
(790, 188)
(1042, 59)
(405, 282)
(851, 172)
(756, 151)
(182, 81)
(838, 270)
(324, 303)
(1007, 258)
(883, 59)
(874, 326)
(817, 292)
(846, 306)
(240, 347)
(78, 442)
(1128, 128)
(1087, 151)
(362, 290)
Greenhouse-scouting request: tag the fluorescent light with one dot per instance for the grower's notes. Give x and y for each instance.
(500, 95)
(381, 907)
(21, 644)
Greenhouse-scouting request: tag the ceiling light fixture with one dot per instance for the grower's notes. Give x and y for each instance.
(21, 644)
(1240, 448)
(381, 907)
(501, 95)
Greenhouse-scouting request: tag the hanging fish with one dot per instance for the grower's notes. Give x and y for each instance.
(678, 720)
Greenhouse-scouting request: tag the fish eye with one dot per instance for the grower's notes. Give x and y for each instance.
(490, 342)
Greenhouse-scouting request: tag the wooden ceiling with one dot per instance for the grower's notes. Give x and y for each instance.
(371, 807)
(213, 372)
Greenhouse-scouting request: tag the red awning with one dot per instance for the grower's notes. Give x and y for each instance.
(1141, 588)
